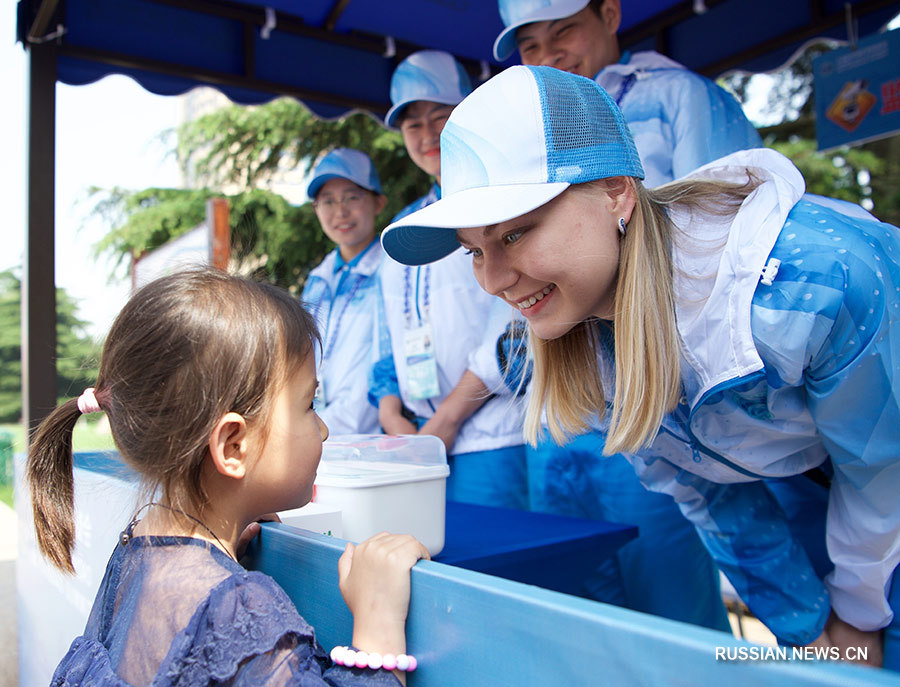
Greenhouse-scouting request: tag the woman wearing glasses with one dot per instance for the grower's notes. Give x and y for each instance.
(340, 292)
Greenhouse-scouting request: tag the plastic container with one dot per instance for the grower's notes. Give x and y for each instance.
(382, 483)
(315, 517)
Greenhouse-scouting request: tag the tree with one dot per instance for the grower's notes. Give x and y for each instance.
(244, 148)
(868, 174)
(76, 361)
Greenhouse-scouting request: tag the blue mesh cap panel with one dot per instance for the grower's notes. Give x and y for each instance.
(587, 137)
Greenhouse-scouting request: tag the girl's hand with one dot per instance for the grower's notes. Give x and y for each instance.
(374, 581)
(864, 647)
(250, 531)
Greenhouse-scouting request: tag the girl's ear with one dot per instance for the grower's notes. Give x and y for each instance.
(380, 202)
(228, 447)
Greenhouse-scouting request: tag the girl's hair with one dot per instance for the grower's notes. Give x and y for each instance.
(567, 380)
(185, 350)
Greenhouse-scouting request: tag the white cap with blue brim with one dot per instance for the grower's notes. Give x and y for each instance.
(431, 75)
(514, 144)
(517, 13)
(345, 163)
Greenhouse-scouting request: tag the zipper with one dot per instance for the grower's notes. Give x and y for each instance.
(697, 447)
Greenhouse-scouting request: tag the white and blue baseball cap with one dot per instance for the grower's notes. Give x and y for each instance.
(515, 143)
(345, 163)
(516, 13)
(431, 75)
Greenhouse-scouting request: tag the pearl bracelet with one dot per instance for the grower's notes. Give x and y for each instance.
(345, 656)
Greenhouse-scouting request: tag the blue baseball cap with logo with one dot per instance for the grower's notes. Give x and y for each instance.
(514, 144)
(345, 163)
(516, 13)
(431, 75)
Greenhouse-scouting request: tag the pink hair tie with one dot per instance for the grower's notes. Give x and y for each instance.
(87, 402)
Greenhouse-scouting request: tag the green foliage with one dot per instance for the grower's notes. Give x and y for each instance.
(245, 148)
(868, 174)
(76, 363)
(834, 174)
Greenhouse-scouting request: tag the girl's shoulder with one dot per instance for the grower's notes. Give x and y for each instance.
(246, 615)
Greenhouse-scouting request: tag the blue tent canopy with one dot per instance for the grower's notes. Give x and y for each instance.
(336, 55)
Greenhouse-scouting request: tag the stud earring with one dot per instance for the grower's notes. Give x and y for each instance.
(622, 226)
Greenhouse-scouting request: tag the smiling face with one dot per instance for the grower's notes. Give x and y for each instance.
(290, 447)
(558, 264)
(347, 214)
(582, 43)
(421, 126)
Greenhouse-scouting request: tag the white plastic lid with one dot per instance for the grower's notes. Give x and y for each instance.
(414, 449)
(358, 474)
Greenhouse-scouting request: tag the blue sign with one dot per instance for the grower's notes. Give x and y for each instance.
(858, 91)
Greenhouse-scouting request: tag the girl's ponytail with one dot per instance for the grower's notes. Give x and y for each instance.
(51, 482)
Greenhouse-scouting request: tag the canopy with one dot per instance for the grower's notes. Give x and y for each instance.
(335, 56)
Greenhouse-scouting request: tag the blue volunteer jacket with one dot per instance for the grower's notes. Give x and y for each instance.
(342, 297)
(680, 120)
(781, 378)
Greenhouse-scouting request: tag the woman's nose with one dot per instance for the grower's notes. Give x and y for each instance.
(496, 275)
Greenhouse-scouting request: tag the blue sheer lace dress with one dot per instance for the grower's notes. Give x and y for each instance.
(178, 611)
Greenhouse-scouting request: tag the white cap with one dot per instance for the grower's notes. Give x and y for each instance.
(515, 143)
(345, 163)
(516, 13)
(431, 75)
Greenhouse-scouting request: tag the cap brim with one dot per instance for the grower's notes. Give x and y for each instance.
(390, 119)
(430, 233)
(506, 45)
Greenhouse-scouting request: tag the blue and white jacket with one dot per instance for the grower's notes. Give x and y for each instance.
(782, 378)
(467, 325)
(342, 297)
(680, 120)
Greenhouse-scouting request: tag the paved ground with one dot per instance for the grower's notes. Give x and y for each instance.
(9, 668)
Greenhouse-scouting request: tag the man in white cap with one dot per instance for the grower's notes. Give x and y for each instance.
(679, 119)
(341, 291)
(436, 362)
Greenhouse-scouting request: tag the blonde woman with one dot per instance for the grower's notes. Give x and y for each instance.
(724, 329)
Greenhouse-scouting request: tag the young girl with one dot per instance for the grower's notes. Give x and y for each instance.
(341, 291)
(437, 363)
(724, 329)
(208, 384)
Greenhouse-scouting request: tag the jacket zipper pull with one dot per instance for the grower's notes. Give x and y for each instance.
(769, 271)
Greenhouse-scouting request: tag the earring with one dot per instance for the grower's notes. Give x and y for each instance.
(622, 226)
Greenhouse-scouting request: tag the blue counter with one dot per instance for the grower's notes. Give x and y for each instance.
(466, 627)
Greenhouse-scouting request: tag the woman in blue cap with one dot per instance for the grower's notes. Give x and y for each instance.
(724, 329)
(341, 290)
(437, 362)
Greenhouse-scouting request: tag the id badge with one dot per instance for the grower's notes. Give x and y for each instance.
(421, 365)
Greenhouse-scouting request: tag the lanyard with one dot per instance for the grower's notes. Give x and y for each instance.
(627, 83)
(332, 336)
(407, 292)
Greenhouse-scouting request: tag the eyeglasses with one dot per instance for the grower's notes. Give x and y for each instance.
(350, 201)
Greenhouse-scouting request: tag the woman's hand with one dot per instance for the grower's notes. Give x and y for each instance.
(864, 647)
(391, 419)
(374, 581)
(444, 430)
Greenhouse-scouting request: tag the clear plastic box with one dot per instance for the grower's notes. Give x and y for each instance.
(386, 483)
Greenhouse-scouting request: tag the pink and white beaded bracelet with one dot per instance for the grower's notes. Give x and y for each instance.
(345, 656)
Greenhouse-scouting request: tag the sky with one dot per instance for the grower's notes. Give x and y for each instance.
(106, 136)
